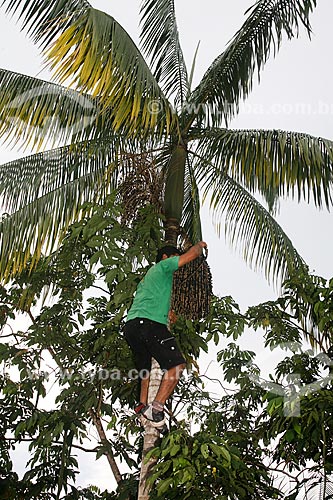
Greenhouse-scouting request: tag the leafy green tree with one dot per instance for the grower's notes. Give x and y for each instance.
(78, 337)
(234, 445)
(303, 437)
(74, 342)
(124, 108)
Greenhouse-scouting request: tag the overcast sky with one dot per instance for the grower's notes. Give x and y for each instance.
(295, 93)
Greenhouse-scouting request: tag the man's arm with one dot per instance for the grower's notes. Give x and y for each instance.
(192, 253)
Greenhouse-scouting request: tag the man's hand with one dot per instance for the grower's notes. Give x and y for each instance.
(172, 317)
(192, 253)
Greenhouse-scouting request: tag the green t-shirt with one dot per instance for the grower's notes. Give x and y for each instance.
(153, 295)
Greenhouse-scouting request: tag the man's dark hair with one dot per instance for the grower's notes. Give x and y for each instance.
(167, 250)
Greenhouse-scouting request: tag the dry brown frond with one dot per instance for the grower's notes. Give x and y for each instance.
(142, 185)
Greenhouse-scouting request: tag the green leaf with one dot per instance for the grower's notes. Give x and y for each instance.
(160, 43)
(204, 450)
(163, 485)
(230, 77)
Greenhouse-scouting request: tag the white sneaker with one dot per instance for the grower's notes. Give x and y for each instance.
(156, 418)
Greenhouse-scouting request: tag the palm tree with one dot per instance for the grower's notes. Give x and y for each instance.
(110, 101)
(127, 101)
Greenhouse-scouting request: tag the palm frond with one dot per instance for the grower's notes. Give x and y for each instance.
(24, 180)
(160, 42)
(230, 77)
(319, 486)
(37, 226)
(35, 112)
(42, 195)
(250, 227)
(44, 20)
(274, 163)
(96, 55)
(193, 65)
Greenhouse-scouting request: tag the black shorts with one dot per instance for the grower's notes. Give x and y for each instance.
(149, 339)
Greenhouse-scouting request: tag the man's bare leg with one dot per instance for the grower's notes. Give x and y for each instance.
(168, 383)
(154, 412)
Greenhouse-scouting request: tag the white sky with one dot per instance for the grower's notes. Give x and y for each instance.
(295, 93)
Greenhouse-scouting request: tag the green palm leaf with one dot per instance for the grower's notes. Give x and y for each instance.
(96, 55)
(34, 111)
(36, 226)
(274, 163)
(250, 227)
(22, 181)
(44, 20)
(160, 42)
(230, 76)
(43, 194)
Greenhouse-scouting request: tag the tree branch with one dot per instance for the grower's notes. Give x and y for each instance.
(106, 443)
(29, 440)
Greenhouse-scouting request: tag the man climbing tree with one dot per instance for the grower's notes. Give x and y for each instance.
(147, 333)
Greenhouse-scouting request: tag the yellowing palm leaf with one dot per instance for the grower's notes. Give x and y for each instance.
(96, 55)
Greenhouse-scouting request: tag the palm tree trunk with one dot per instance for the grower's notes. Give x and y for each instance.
(174, 194)
(172, 230)
(151, 434)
